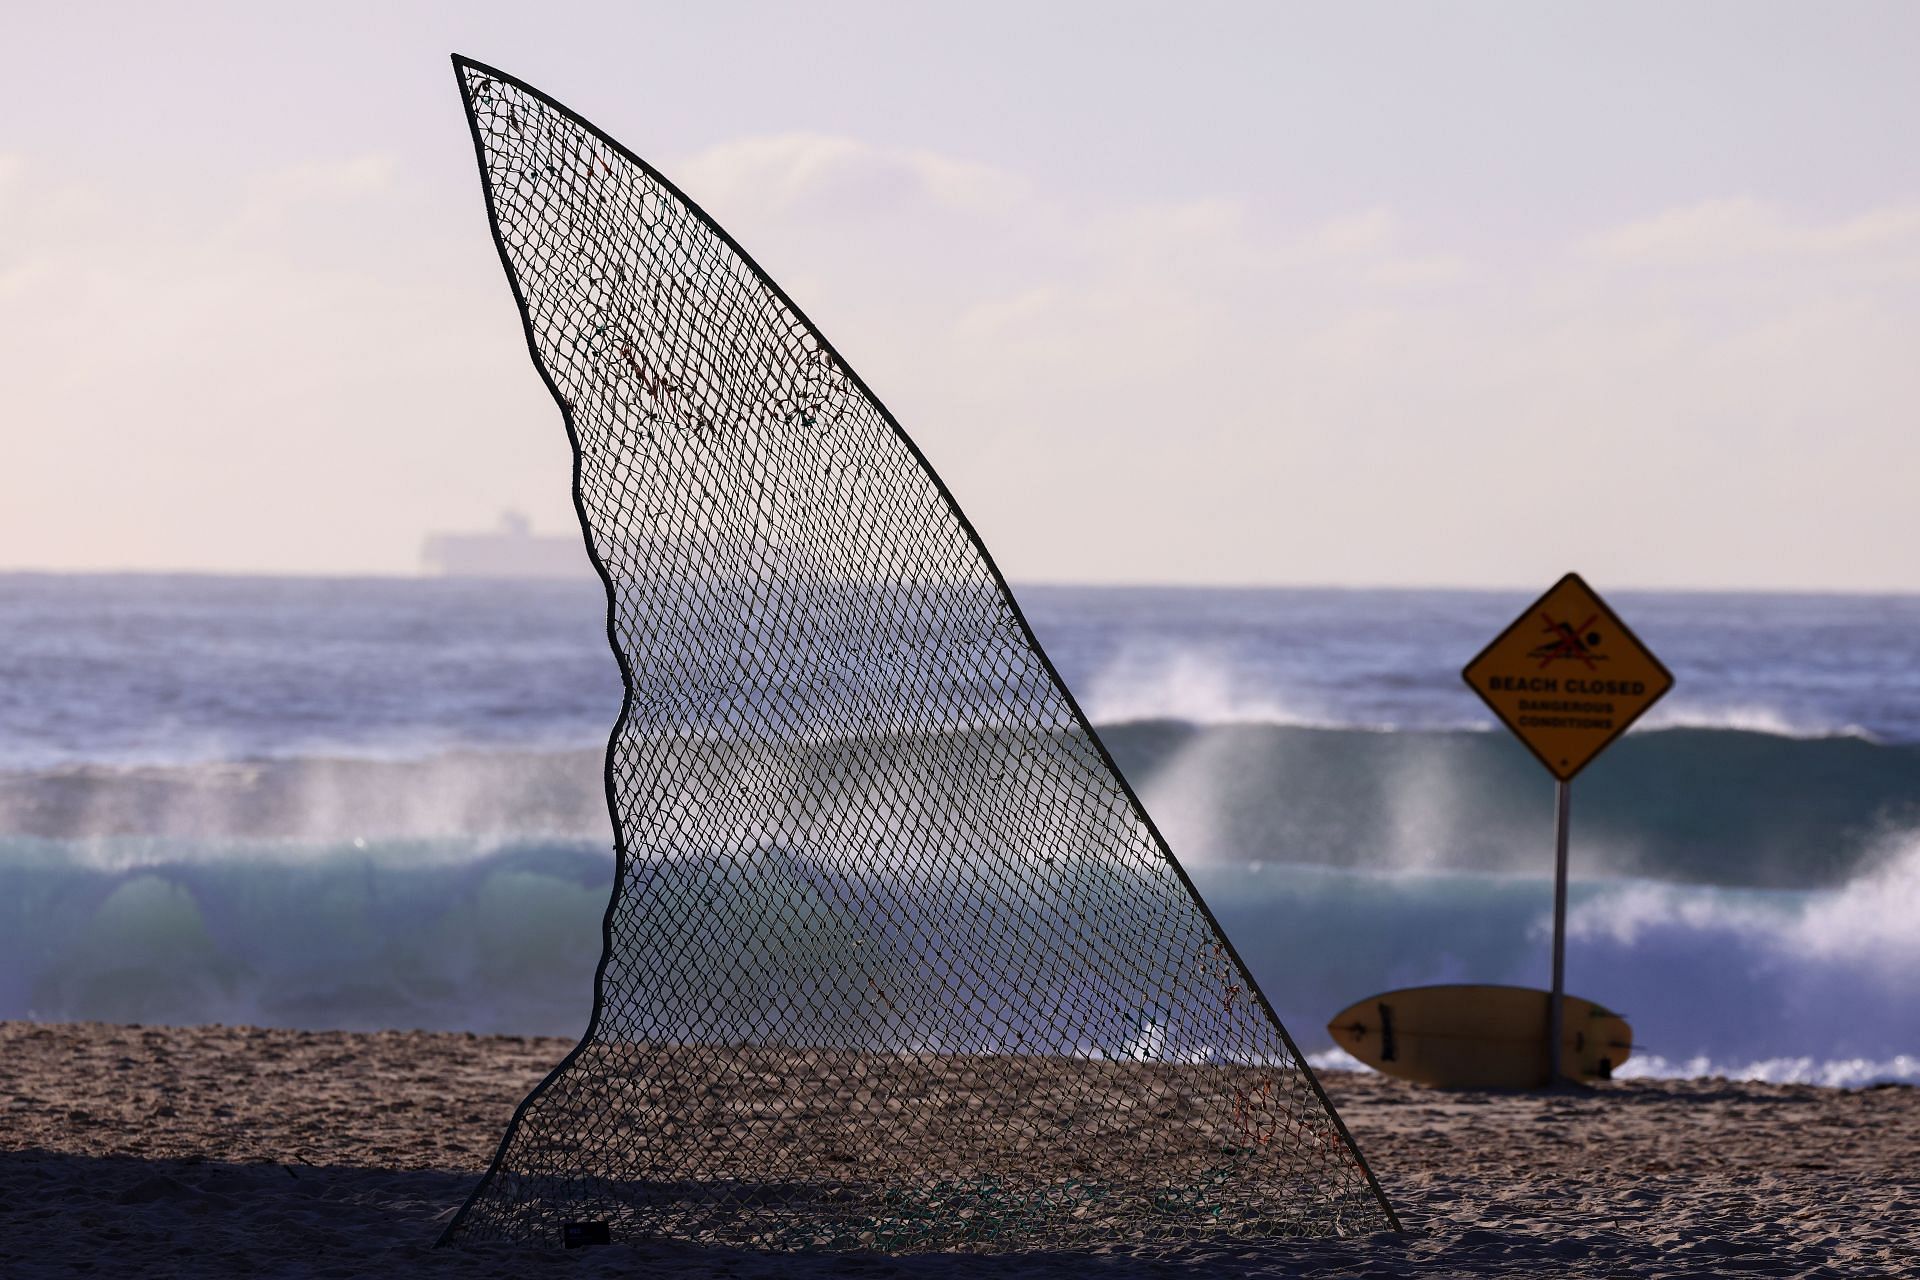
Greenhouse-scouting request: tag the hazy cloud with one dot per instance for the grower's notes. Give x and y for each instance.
(783, 172)
(1724, 230)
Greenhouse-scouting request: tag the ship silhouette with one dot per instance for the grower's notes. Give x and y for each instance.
(512, 550)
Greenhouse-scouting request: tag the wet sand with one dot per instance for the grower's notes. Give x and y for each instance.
(233, 1151)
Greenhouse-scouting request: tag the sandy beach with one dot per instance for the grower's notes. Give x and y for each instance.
(221, 1150)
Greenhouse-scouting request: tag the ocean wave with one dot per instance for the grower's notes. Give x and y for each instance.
(1211, 706)
(207, 750)
(503, 936)
(316, 801)
(1211, 684)
(1195, 687)
(1746, 718)
(353, 936)
(1833, 1073)
(1869, 920)
(1716, 806)
(1765, 984)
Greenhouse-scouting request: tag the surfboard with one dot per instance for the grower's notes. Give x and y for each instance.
(1478, 1036)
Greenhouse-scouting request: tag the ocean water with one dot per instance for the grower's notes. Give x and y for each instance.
(368, 803)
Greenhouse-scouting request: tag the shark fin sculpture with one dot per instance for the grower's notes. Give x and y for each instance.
(894, 958)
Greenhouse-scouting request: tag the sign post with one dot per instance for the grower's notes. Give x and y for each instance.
(1567, 677)
(1557, 1002)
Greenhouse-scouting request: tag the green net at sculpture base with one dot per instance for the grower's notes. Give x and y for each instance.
(894, 959)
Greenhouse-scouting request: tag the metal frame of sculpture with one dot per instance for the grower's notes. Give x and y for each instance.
(894, 958)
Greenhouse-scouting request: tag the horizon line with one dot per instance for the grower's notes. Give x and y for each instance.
(586, 579)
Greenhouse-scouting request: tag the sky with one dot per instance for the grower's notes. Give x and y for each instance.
(1362, 294)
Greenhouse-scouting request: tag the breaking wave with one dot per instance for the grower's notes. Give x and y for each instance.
(1707, 806)
(491, 936)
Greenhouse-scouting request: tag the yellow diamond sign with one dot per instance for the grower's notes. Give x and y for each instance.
(1568, 677)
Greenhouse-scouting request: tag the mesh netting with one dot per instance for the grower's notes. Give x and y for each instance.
(894, 959)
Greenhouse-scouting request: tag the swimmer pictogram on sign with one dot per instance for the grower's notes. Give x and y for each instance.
(1578, 643)
(1568, 677)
